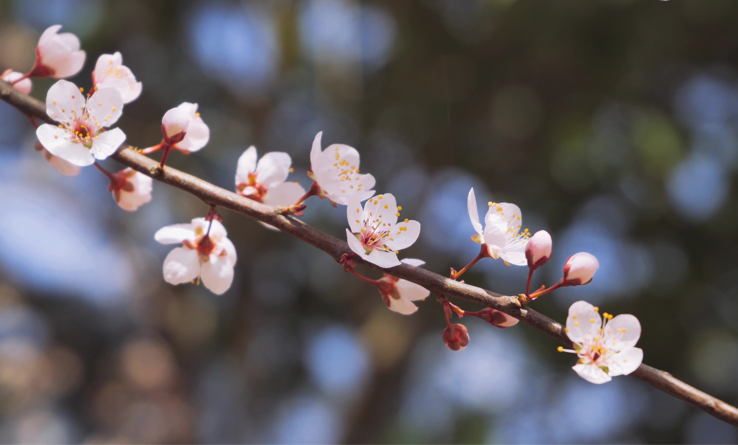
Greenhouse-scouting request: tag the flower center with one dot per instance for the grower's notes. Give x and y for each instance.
(252, 189)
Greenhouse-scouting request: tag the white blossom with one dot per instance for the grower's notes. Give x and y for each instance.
(538, 249)
(24, 86)
(399, 294)
(81, 137)
(184, 127)
(580, 268)
(501, 232)
(207, 255)
(57, 55)
(131, 189)
(375, 234)
(111, 73)
(336, 171)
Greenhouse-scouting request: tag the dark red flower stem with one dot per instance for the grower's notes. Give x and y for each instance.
(482, 254)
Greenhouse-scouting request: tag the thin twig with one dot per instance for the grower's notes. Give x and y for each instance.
(336, 248)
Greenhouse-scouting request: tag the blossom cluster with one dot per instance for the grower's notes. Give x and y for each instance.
(85, 133)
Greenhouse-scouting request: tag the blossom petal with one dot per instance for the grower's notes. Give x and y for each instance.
(509, 321)
(176, 233)
(316, 151)
(514, 254)
(592, 373)
(230, 249)
(381, 259)
(197, 135)
(273, 168)
(401, 306)
(217, 274)
(413, 262)
(107, 143)
(623, 363)
(622, 332)
(471, 205)
(355, 215)
(181, 266)
(70, 65)
(494, 231)
(48, 34)
(217, 230)
(62, 166)
(105, 107)
(284, 194)
(62, 98)
(246, 165)
(399, 239)
(56, 141)
(583, 322)
(411, 291)
(381, 208)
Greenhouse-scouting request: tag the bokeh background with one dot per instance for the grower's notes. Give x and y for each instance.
(611, 123)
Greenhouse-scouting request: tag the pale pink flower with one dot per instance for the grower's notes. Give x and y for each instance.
(81, 136)
(265, 181)
(24, 86)
(501, 232)
(111, 73)
(208, 255)
(375, 234)
(605, 350)
(580, 268)
(399, 294)
(538, 249)
(184, 129)
(57, 55)
(336, 171)
(131, 189)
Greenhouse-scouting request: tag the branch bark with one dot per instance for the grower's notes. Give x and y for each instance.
(335, 247)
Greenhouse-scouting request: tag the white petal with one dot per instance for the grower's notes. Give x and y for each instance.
(107, 143)
(355, 215)
(284, 194)
(494, 231)
(217, 274)
(62, 166)
(69, 66)
(471, 205)
(217, 231)
(62, 98)
(592, 373)
(24, 86)
(50, 32)
(230, 249)
(399, 239)
(413, 262)
(273, 168)
(56, 141)
(382, 208)
(402, 306)
(583, 322)
(176, 233)
(176, 120)
(246, 165)
(411, 291)
(316, 151)
(181, 266)
(383, 259)
(105, 107)
(197, 136)
(620, 341)
(141, 194)
(515, 255)
(623, 363)
(129, 91)
(355, 244)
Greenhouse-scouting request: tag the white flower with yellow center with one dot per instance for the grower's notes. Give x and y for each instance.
(111, 73)
(605, 350)
(336, 171)
(501, 232)
(375, 234)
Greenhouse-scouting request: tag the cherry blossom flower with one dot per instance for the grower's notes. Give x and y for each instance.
(580, 268)
(111, 73)
(456, 336)
(336, 171)
(15, 78)
(538, 249)
(206, 252)
(375, 234)
(57, 55)
(81, 136)
(184, 129)
(265, 181)
(605, 350)
(501, 231)
(131, 189)
(399, 294)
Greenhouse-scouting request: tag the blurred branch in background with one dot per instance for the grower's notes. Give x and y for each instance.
(213, 195)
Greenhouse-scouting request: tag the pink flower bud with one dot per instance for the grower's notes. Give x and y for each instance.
(456, 337)
(497, 318)
(580, 268)
(175, 123)
(24, 86)
(538, 249)
(57, 55)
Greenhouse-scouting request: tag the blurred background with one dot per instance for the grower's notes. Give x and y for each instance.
(611, 123)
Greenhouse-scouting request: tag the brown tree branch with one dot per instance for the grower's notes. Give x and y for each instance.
(334, 247)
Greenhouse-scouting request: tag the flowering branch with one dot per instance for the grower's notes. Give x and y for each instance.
(216, 196)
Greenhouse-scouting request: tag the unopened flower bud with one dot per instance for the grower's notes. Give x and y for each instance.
(456, 337)
(497, 318)
(538, 249)
(580, 268)
(175, 123)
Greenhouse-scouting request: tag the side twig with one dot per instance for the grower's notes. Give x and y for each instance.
(336, 248)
